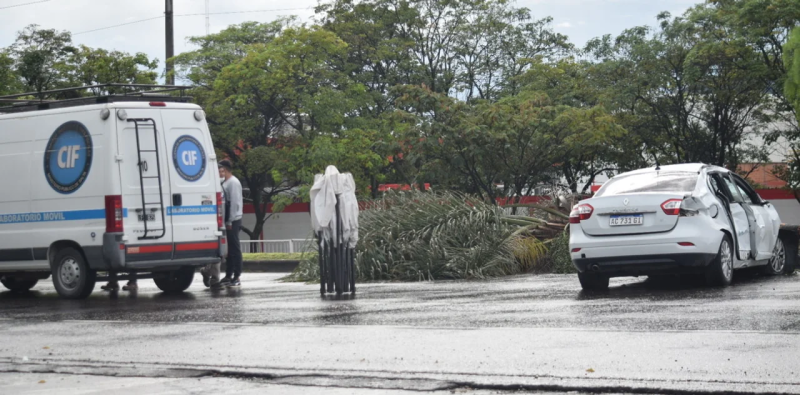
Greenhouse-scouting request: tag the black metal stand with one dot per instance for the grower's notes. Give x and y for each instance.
(336, 260)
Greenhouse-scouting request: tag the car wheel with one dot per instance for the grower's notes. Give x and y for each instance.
(720, 271)
(790, 251)
(72, 277)
(16, 285)
(777, 264)
(175, 281)
(593, 281)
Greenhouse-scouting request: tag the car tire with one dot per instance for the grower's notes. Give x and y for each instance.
(175, 281)
(790, 246)
(777, 264)
(593, 281)
(72, 277)
(16, 285)
(720, 271)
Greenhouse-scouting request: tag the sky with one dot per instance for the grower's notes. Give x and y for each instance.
(87, 20)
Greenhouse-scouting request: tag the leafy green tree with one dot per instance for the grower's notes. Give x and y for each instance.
(41, 57)
(9, 80)
(274, 102)
(88, 66)
(792, 63)
(689, 89)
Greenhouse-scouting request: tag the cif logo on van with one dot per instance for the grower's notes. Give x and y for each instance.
(68, 157)
(189, 158)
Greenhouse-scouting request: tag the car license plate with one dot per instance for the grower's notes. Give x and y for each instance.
(625, 220)
(150, 217)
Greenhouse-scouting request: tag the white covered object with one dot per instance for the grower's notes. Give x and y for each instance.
(323, 206)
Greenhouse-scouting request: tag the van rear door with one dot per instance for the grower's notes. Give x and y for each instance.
(195, 182)
(143, 168)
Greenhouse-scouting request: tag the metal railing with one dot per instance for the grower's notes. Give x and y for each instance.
(277, 246)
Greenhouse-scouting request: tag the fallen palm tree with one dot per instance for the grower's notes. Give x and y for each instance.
(415, 236)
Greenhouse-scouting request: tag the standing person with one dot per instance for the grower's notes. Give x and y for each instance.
(113, 284)
(233, 223)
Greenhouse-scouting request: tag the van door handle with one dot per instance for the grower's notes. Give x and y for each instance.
(177, 199)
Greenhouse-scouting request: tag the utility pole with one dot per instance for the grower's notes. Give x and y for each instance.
(170, 41)
(207, 23)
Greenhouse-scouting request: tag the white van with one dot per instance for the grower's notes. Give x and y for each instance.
(107, 184)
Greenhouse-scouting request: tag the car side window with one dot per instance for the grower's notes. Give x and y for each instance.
(748, 193)
(744, 194)
(734, 191)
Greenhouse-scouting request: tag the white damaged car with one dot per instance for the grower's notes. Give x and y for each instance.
(688, 218)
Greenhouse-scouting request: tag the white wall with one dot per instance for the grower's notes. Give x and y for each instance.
(282, 226)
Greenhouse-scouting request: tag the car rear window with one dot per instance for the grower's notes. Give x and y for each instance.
(680, 182)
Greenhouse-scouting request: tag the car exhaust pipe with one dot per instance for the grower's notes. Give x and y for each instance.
(594, 268)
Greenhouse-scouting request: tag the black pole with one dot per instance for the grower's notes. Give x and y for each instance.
(352, 271)
(321, 259)
(338, 244)
(170, 41)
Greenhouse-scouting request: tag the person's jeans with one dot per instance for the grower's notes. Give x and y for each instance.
(233, 265)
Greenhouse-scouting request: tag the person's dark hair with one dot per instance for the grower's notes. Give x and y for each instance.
(226, 164)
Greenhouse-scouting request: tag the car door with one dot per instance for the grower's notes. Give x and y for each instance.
(766, 218)
(746, 221)
(732, 202)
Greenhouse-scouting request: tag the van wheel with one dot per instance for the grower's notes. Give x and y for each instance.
(720, 271)
(593, 282)
(71, 275)
(175, 281)
(17, 285)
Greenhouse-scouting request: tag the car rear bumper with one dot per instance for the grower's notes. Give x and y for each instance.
(645, 264)
(689, 247)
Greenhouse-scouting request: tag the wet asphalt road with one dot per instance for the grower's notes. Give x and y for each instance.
(527, 332)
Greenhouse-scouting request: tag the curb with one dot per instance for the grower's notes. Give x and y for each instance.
(266, 266)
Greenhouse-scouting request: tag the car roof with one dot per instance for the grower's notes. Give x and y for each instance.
(679, 168)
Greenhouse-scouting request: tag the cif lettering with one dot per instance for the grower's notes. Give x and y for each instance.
(68, 157)
(189, 158)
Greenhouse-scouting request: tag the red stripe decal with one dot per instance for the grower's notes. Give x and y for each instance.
(149, 249)
(197, 246)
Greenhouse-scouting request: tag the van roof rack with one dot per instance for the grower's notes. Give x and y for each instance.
(100, 94)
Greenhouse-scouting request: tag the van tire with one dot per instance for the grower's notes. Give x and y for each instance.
(72, 277)
(17, 285)
(720, 271)
(175, 281)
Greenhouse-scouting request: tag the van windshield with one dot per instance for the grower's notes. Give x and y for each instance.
(679, 182)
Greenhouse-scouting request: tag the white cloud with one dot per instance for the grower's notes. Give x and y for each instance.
(564, 25)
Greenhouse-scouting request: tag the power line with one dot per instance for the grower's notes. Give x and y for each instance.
(23, 4)
(177, 15)
(121, 24)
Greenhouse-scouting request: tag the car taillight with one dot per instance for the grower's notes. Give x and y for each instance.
(672, 207)
(219, 210)
(580, 213)
(114, 214)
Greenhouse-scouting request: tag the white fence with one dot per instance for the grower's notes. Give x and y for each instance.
(273, 246)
